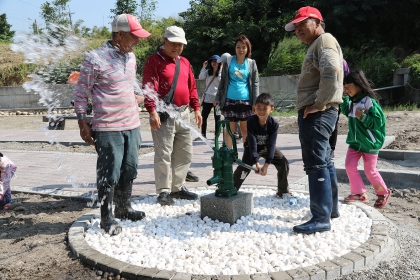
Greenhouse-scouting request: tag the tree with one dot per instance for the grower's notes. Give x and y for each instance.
(100, 32)
(147, 10)
(35, 28)
(55, 13)
(211, 26)
(6, 35)
(125, 7)
(372, 24)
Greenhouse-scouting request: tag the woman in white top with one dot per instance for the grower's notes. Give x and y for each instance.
(212, 77)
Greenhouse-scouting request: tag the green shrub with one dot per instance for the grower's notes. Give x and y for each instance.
(413, 62)
(378, 66)
(60, 73)
(410, 60)
(287, 58)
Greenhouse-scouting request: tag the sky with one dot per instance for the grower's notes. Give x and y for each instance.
(21, 13)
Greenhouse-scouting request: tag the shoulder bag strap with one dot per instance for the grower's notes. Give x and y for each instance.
(204, 93)
(169, 97)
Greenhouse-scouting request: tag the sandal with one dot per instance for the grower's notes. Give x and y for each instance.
(6, 207)
(280, 195)
(382, 200)
(357, 197)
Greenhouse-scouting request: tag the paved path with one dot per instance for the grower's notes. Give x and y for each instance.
(73, 174)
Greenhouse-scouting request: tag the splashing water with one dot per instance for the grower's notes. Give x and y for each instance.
(51, 51)
(48, 52)
(172, 110)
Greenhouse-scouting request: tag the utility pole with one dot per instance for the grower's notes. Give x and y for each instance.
(71, 23)
(36, 26)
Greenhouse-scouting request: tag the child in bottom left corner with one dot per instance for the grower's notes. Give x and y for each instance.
(7, 171)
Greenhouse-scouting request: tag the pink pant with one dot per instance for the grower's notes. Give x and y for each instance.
(369, 162)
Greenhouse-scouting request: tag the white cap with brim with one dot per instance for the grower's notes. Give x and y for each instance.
(175, 34)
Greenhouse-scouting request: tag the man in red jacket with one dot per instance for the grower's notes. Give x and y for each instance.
(172, 140)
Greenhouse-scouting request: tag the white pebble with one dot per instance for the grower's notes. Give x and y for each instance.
(263, 242)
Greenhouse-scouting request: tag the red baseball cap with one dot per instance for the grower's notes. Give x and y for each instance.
(302, 14)
(129, 23)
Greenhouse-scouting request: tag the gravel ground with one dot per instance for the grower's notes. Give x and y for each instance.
(403, 214)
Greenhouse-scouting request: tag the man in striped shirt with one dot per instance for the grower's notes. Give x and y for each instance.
(108, 75)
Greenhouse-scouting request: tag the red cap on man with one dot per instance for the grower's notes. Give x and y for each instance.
(129, 23)
(302, 14)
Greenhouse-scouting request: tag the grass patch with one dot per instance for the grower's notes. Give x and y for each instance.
(386, 109)
(16, 75)
(401, 107)
(285, 113)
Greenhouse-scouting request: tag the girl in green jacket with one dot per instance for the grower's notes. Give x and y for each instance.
(366, 122)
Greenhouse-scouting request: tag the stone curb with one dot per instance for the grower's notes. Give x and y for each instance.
(397, 179)
(378, 247)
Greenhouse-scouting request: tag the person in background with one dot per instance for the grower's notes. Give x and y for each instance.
(261, 142)
(72, 80)
(239, 87)
(172, 141)
(212, 77)
(333, 138)
(191, 177)
(7, 172)
(224, 58)
(237, 132)
(365, 137)
(108, 75)
(319, 93)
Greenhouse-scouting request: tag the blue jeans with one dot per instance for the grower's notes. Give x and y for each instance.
(314, 134)
(118, 154)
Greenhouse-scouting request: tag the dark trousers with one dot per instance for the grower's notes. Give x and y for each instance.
(118, 154)
(279, 161)
(334, 134)
(205, 114)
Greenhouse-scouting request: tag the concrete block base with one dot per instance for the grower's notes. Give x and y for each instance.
(227, 209)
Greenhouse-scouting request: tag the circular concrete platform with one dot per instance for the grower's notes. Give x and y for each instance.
(378, 247)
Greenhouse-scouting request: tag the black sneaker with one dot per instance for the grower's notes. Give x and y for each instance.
(191, 177)
(165, 198)
(184, 194)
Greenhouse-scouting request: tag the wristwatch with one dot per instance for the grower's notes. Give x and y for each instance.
(81, 117)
